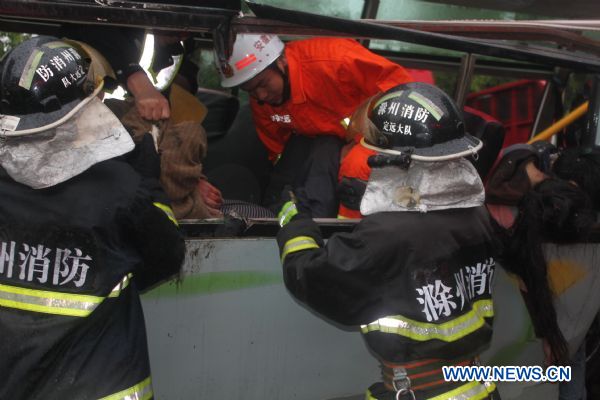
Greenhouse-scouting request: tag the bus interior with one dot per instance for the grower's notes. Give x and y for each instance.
(522, 71)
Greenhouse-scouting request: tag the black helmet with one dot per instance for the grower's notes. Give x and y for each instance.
(41, 81)
(419, 119)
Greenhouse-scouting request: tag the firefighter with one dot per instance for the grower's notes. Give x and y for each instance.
(81, 233)
(416, 273)
(299, 95)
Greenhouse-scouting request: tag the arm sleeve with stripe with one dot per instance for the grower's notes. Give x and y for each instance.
(336, 280)
(155, 234)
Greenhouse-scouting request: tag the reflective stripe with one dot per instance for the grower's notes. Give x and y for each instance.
(121, 285)
(448, 331)
(167, 210)
(297, 244)
(139, 391)
(75, 305)
(288, 211)
(469, 391)
(369, 396)
(44, 301)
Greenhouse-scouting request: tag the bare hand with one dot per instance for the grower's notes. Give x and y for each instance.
(150, 103)
(211, 195)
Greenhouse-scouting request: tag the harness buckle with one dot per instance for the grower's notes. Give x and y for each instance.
(401, 393)
(401, 383)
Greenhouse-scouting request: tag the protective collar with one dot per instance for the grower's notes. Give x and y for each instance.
(424, 186)
(46, 158)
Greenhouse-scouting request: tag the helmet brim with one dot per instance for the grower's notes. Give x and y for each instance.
(455, 147)
(21, 125)
(39, 120)
(449, 150)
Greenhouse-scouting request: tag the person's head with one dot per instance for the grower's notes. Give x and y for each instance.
(52, 123)
(417, 128)
(258, 66)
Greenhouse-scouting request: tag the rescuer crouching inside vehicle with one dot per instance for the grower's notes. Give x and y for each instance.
(80, 233)
(416, 273)
(299, 94)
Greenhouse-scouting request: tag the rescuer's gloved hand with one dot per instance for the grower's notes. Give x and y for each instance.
(145, 159)
(294, 205)
(351, 191)
(546, 153)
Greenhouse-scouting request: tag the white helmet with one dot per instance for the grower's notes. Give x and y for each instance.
(251, 55)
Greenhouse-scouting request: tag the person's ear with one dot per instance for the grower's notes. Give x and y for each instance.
(281, 63)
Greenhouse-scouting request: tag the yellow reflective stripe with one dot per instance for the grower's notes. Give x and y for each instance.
(448, 331)
(288, 211)
(298, 243)
(470, 391)
(167, 210)
(340, 216)
(139, 391)
(490, 386)
(369, 396)
(44, 301)
(121, 286)
(75, 305)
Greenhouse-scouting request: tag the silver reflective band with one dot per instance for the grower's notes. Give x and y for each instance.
(139, 391)
(58, 303)
(422, 331)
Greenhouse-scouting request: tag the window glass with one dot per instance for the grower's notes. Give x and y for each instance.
(351, 9)
(404, 10)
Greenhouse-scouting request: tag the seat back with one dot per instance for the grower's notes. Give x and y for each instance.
(491, 132)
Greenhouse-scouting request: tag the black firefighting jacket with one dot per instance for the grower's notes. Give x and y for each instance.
(72, 259)
(418, 284)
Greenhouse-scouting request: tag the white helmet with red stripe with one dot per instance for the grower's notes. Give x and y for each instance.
(251, 55)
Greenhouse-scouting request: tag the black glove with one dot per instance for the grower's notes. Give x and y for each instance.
(145, 159)
(545, 152)
(351, 191)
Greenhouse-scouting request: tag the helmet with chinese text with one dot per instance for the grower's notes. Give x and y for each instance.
(42, 80)
(419, 119)
(250, 56)
(48, 95)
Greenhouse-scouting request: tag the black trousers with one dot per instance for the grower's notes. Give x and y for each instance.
(310, 166)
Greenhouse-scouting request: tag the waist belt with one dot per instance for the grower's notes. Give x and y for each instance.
(422, 375)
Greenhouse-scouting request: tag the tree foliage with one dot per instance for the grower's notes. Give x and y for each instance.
(9, 40)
